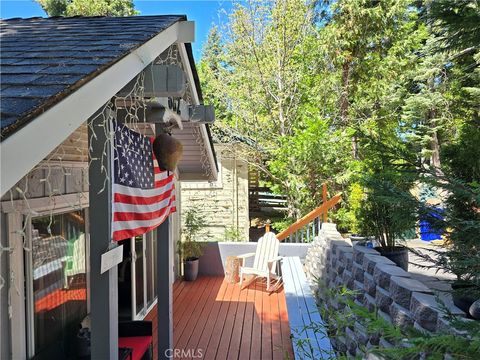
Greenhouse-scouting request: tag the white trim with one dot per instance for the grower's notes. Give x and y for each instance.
(55, 204)
(58, 122)
(196, 101)
(16, 292)
(29, 299)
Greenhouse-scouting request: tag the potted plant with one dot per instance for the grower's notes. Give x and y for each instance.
(189, 249)
(388, 209)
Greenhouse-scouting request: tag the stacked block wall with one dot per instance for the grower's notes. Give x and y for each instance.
(380, 286)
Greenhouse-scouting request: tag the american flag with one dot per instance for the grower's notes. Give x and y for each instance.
(143, 195)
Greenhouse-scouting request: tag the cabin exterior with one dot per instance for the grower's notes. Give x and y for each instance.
(62, 80)
(222, 203)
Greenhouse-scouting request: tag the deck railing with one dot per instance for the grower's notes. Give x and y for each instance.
(305, 229)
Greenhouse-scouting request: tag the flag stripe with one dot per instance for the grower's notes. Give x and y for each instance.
(141, 200)
(143, 194)
(141, 216)
(133, 224)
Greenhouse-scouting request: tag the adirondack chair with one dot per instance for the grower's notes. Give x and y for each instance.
(265, 261)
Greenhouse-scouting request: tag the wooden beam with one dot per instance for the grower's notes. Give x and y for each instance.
(322, 209)
(103, 287)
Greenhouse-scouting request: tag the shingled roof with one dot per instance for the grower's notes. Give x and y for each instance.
(45, 59)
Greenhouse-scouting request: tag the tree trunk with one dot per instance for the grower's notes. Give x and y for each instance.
(345, 104)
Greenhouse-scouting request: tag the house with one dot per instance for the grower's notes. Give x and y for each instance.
(223, 203)
(63, 80)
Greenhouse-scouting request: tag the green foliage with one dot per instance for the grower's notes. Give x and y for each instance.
(462, 342)
(347, 217)
(232, 233)
(193, 225)
(373, 97)
(88, 7)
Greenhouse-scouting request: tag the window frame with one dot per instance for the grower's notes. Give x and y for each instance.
(28, 273)
(147, 307)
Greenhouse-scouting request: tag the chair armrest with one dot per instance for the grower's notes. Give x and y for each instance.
(273, 261)
(244, 256)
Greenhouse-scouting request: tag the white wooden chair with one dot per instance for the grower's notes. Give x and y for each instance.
(265, 261)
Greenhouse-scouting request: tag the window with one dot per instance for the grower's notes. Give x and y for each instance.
(137, 276)
(57, 283)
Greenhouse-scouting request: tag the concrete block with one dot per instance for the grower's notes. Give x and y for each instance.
(401, 316)
(444, 325)
(359, 291)
(369, 284)
(359, 252)
(401, 289)
(383, 299)
(340, 343)
(347, 278)
(351, 341)
(345, 254)
(358, 272)
(335, 244)
(384, 316)
(385, 344)
(419, 327)
(374, 338)
(369, 303)
(329, 227)
(383, 272)
(370, 356)
(425, 310)
(361, 333)
(369, 262)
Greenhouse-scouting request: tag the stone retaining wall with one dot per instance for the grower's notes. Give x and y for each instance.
(382, 287)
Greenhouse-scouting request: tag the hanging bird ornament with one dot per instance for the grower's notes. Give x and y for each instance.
(168, 151)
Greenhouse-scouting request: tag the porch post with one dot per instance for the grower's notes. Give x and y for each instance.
(164, 286)
(103, 287)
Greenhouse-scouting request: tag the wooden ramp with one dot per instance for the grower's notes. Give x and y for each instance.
(309, 333)
(220, 321)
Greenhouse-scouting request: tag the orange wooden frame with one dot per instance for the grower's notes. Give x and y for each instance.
(320, 211)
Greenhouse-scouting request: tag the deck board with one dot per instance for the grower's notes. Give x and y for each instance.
(229, 323)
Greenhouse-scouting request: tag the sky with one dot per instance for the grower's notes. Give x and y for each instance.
(205, 13)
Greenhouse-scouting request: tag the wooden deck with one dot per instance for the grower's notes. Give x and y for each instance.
(220, 321)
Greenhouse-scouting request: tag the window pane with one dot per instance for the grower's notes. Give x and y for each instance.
(155, 274)
(151, 265)
(149, 256)
(139, 298)
(59, 283)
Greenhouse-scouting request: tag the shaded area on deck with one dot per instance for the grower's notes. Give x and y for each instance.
(215, 318)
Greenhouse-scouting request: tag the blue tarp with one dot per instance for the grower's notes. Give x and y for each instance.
(427, 233)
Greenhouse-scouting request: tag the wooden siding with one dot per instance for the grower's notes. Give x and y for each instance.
(224, 322)
(224, 203)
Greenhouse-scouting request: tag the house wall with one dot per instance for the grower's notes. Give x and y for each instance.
(223, 203)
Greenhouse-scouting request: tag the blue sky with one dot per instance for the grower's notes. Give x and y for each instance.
(203, 12)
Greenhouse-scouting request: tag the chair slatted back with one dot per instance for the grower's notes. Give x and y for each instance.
(267, 249)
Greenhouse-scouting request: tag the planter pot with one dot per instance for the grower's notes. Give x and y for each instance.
(190, 269)
(398, 254)
(461, 297)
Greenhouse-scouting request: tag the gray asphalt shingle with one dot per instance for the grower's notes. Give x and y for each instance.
(45, 59)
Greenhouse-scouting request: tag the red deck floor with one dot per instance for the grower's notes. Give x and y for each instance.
(215, 320)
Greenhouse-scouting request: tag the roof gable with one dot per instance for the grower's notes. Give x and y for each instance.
(45, 59)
